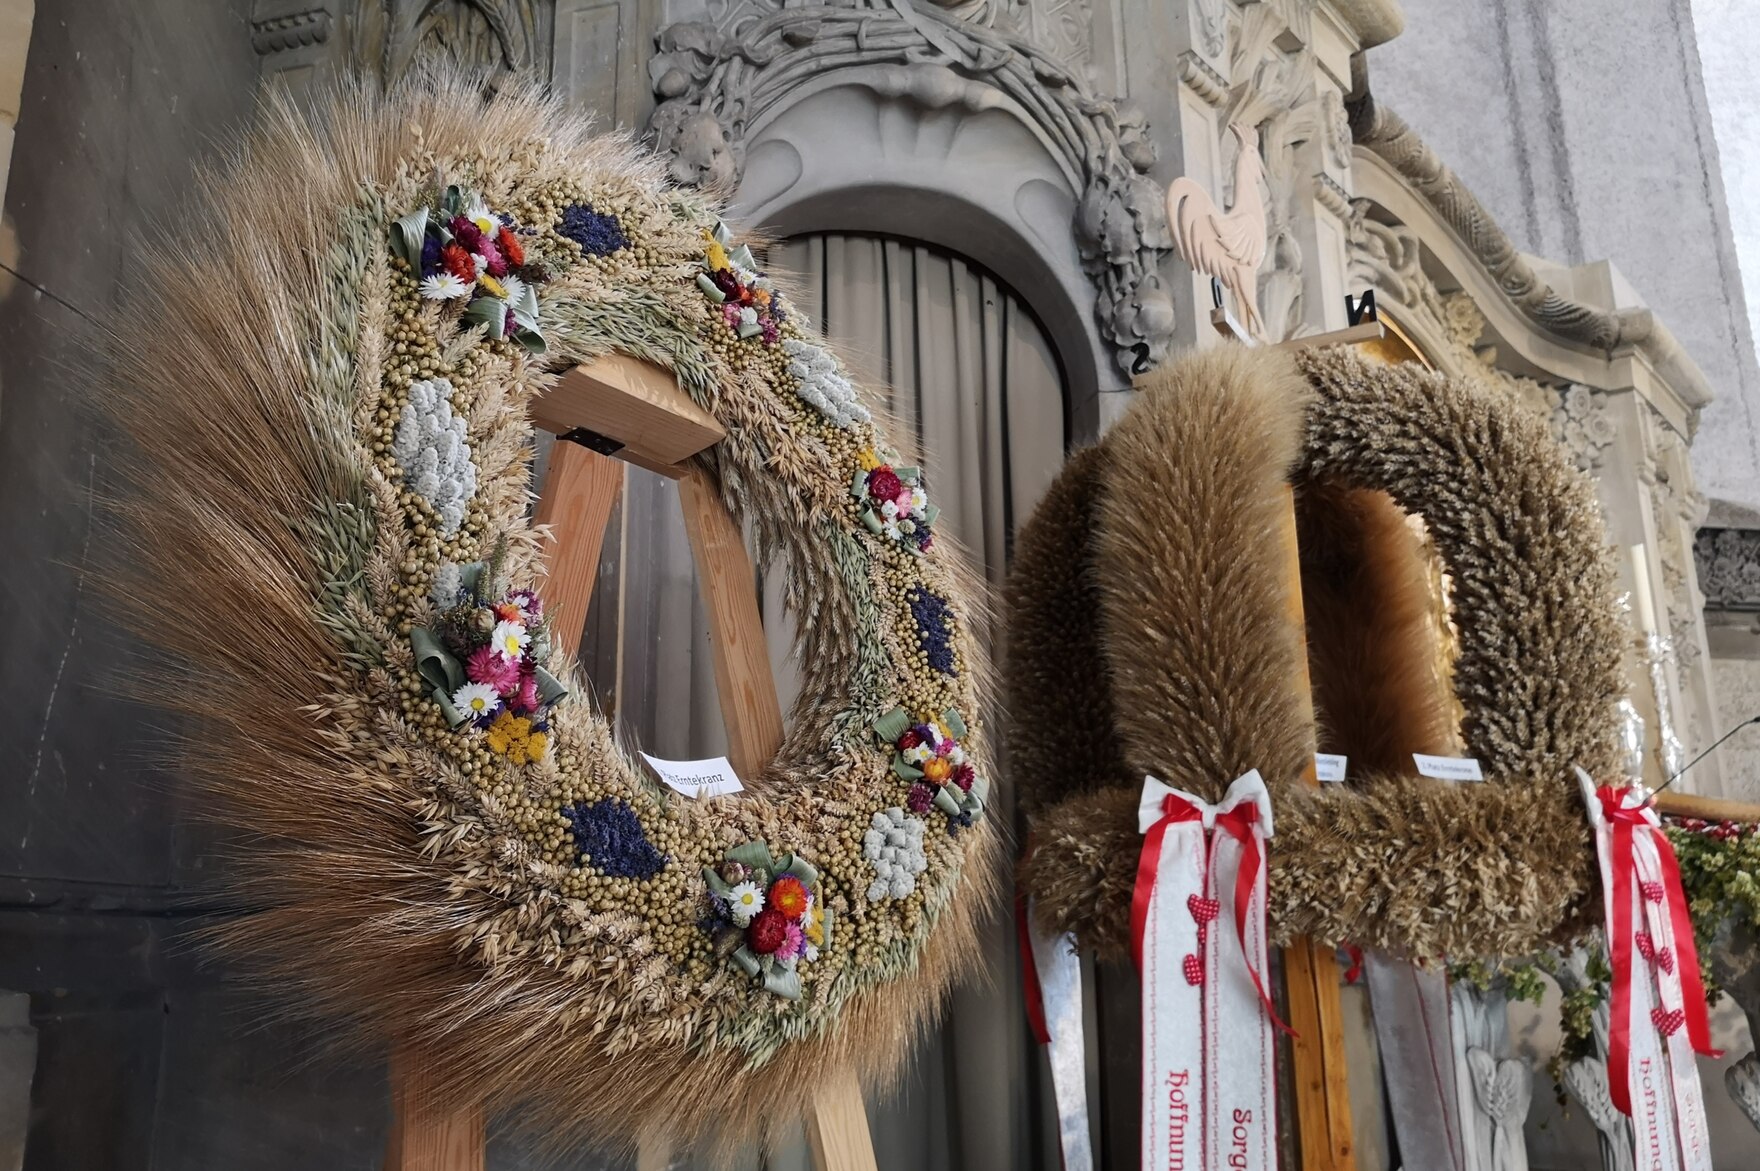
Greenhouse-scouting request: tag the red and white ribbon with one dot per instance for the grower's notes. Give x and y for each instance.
(1659, 1019)
(1198, 937)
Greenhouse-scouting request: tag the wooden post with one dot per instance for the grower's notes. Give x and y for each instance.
(580, 488)
(429, 1132)
(637, 412)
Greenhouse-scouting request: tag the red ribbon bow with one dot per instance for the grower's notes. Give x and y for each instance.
(1238, 823)
(1625, 821)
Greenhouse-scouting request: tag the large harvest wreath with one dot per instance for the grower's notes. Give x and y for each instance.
(1148, 615)
(327, 383)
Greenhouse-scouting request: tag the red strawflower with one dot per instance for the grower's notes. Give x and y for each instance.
(510, 247)
(963, 776)
(884, 484)
(788, 896)
(458, 262)
(767, 931)
(910, 739)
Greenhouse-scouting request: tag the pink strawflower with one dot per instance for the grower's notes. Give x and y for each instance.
(794, 942)
(489, 666)
(524, 698)
(497, 262)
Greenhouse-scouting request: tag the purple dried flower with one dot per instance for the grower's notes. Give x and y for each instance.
(608, 834)
(598, 234)
(934, 629)
(920, 798)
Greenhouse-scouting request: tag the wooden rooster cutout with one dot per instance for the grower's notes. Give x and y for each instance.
(1228, 246)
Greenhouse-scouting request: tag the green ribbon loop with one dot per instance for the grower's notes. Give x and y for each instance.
(438, 667)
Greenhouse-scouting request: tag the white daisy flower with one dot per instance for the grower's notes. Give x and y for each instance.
(917, 754)
(889, 509)
(812, 953)
(744, 901)
(443, 286)
(890, 528)
(510, 639)
(515, 287)
(956, 756)
(476, 699)
(919, 501)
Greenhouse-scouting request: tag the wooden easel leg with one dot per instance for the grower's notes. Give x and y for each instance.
(429, 1132)
(838, 1127)
(1322, 1088)
(580, 488)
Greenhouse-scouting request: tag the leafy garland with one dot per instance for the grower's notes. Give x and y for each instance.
(1720, 873)
(464, 859)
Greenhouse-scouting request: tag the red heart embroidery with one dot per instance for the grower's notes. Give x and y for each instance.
(1652, 891)
(1202, 909)
(1203, 933)
(1668, 1023)
(1645, 945)
(1194, 969)
(1665, 960)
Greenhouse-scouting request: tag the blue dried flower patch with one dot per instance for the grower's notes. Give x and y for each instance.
(598, 233)
(933, 617)
(609, 836)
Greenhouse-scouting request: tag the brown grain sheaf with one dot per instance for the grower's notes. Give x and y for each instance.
(354, 923)
(1393, 861)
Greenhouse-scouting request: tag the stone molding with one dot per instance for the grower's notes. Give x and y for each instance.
(1383, 133)
(1729, 568)
(290, 30)
(718, 81)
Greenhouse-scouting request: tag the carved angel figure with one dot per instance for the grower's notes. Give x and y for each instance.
(1230, 245)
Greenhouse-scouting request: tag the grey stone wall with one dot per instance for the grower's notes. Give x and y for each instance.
(144, 1059)
(1582, 125)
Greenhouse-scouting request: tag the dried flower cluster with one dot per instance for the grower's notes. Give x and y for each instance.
(459, 858)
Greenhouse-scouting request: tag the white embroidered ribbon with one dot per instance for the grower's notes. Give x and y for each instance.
(1056, 977)
(1198, 934)
(1658, 1004)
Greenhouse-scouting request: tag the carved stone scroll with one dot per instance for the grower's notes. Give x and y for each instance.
(715, 80)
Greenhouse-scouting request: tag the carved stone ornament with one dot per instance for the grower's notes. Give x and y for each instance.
(716, 78)
(276, 30)
(498, 37)
(1729, 568)
(1584, 424)
(1735, 961)
(1585, 1079)
(1502, 1086)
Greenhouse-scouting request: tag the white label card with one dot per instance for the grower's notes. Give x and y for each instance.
(697, 778)
(1448, 768)
(1330, 768)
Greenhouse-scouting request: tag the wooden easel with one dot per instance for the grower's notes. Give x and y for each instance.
(635, 411)
(1310, 971)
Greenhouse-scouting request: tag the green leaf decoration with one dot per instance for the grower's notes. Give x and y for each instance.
(406, 238)
(955, 726)
(471, 578)
(723, 236)
(550, 688)
(784, 982)
(902, 768)
(802, 869)
(748, 963)
(717, 885)
(710, 289)
(753, 856)
(892, 725)
(490, 311)
(436, 665)
(947, 802)
(454, 717)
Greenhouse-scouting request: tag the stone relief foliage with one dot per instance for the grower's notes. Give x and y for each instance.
(713, 78)
(499, 37)
(1729, 568)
